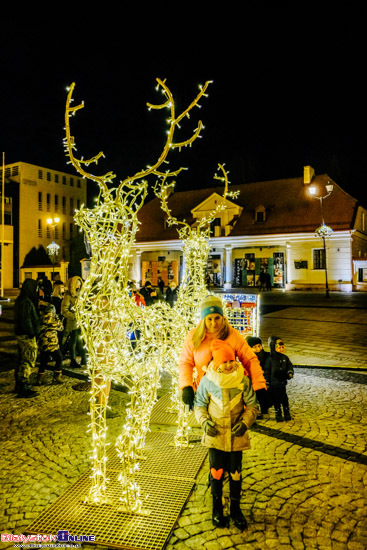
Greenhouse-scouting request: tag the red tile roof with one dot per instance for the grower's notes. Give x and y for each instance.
(289, 209)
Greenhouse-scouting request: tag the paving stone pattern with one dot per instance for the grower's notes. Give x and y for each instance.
(304, 481)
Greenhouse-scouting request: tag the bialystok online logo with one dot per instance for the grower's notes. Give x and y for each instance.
(62, 536)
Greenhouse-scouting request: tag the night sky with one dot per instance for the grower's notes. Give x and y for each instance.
(287, 90)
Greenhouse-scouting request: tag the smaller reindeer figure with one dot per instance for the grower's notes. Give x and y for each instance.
(193, 288)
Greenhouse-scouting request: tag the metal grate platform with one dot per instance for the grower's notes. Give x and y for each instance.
(166, 478)
(160, 414)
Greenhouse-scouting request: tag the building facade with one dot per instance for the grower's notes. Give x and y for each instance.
(34, 195)
(270, 228)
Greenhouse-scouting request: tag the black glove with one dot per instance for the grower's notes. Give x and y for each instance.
(239, 429)
(209, 428)
(188, 396)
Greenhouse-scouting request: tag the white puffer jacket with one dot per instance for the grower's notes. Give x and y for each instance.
(226, 399)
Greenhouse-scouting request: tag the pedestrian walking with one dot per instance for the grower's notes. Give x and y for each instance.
(196, 351)
(161, 285)
(226, 407)
(262, 279)
(278, 370)
(49, 345)
(268, 281)
(26, 328)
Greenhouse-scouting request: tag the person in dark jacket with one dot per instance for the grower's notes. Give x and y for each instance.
(148, 293)
(171, 294)
(278, 369)
(49, 345)
(26, 328)
(161, 285)
(72, 336)
(262, 395)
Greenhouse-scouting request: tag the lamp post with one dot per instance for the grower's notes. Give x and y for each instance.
(323, 231)
(53, 248)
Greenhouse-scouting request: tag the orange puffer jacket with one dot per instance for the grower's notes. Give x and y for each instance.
(201, 357)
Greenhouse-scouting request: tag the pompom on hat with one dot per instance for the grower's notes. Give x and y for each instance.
(222, 353)
(211, 304)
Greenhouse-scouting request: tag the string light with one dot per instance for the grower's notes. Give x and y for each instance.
(125, 343)
(192, 291)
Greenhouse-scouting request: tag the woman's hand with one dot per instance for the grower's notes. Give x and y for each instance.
(188, 396)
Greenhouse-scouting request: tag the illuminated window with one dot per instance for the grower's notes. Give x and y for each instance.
(318, 258)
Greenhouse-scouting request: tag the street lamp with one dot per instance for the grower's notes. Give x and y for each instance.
(53, 248)
(323, 231)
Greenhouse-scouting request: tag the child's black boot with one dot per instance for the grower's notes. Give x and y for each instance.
(278, 415)
(236, 514)
(287, 414)
(218, 518)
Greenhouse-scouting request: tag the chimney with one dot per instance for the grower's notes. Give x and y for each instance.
(308, 174)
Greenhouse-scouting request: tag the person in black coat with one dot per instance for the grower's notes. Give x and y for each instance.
(171, 294)
(262, 395)
(148, 293)
(277, 371)
(26, 329)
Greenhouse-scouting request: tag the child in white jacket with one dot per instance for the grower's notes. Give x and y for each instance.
(226, 407)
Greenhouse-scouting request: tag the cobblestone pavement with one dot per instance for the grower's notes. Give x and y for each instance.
(304, 481)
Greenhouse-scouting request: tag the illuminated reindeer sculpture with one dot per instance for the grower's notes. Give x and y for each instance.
(193, 289)
(125, 343)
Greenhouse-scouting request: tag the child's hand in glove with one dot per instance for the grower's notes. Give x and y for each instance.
(239, 429)
(209, 428)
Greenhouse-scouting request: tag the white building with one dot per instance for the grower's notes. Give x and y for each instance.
(269, 227)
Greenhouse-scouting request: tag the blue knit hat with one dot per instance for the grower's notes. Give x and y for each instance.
(211, 304)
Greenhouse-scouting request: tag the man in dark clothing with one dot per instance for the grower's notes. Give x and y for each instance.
(26, 328)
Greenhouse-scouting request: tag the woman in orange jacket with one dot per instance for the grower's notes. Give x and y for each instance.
(196, 352)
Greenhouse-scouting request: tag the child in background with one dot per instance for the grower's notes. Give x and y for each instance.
(49, 346)
(226, 407)
(263, 395)
(278, 369)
